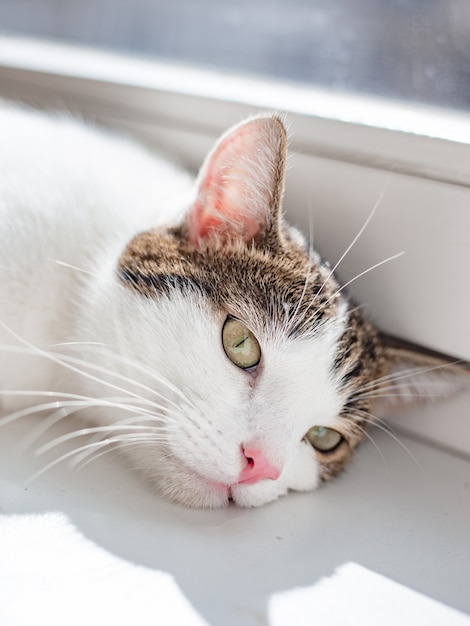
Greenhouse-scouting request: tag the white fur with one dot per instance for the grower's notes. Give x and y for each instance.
(76, 196)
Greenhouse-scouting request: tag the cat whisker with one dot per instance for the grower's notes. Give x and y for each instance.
(51, 420)
(65, 361)
(363, 273)
(42, 427)
(83, 458)
(398, 387)
(348, 249)
(88, 344)
(16, 415)
(377, 204)
(137, 366)
(344, 286)
(378, 383)
(401, 394)
(72, 267)
(404, 374)
(70, 363)
(95, 444)
(371, 419)
(359, 307)
(373, 442)
(90, 456)
(93, 430)
(78, 402)
(292, 319)
(135, 383)
(311, 253)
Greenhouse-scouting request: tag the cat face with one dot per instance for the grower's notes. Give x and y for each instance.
(266, 368)
(256, 375)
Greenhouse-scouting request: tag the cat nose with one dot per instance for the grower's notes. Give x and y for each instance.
(257, 467)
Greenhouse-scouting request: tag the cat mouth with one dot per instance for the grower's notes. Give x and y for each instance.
(215, 486)
(216, 493)
(222, 492)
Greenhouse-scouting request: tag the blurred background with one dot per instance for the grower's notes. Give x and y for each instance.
(413, 50)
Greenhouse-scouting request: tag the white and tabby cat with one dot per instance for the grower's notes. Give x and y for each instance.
(186, 322)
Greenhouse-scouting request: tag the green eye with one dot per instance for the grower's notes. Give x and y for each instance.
(324, 439)
(240, 345)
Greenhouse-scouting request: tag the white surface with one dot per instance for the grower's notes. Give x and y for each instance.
(50, 574)
(356, 595)
(402, 513)
(49, 569)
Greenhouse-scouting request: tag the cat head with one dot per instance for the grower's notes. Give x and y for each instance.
(256, 374)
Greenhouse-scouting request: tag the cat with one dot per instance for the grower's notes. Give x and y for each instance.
(184, 322)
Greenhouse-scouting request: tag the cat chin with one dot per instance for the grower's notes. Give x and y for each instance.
(201, 494)
(188, 488)
(192, 491)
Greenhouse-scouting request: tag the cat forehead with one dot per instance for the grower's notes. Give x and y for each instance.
(286, 285)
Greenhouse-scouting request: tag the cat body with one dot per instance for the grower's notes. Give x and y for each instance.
(59, 186)
(179, 321)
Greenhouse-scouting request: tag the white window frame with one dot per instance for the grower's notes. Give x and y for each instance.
(344, 147)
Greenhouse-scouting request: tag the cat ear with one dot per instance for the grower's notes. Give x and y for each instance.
(416, 376)
(240, 185)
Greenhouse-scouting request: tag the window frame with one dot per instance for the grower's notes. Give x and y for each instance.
(397, 136)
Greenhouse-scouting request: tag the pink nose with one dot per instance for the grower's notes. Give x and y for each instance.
(257, 467)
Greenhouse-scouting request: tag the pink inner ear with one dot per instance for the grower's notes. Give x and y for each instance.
(236, 184)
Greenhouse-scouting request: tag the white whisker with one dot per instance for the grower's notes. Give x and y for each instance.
(363, 273)
(378, 202)
(368, 417)
(79, 402)
(90, 456)
(137, 366)
(50, 421)
(72, 267)
(71, 453)
(69, 362)
(412, 372)
(373, 442)
(293, 316)
(115, 428)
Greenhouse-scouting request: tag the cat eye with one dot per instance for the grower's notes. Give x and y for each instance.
(324, 439)
(240, 344)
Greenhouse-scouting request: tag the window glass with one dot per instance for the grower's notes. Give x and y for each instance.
(416, 50)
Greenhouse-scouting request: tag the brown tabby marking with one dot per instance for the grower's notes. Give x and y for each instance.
(236, 277)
